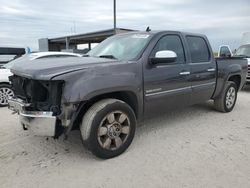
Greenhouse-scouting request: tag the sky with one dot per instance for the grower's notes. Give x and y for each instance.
(23, 22)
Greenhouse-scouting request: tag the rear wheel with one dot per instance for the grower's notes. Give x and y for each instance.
(108, 128)
(228, 98)
(5, 93)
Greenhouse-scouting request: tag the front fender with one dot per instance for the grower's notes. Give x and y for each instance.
(85, 84)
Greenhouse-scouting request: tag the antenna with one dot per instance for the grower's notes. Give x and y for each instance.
(148, 29)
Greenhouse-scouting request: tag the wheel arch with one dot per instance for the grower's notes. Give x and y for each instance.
(128, 97)
(236, 79)
(3, 83)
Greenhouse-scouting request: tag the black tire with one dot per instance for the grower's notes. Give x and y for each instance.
(4, 86)
(220, 103)
(93, 119)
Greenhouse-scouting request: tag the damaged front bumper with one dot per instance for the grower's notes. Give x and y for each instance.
(38, 122)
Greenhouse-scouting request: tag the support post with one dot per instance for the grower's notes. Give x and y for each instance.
(114, 16)
(67, 43)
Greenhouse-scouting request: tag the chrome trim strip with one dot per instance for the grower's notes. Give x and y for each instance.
(206, 84)
(180, 89)
(168, 91)
(154, 90)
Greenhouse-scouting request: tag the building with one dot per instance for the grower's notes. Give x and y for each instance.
(70, 43)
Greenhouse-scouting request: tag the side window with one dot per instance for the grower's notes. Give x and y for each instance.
(198, 49)
(170, 42)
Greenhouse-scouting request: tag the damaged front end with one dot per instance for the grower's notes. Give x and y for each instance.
(38, 104)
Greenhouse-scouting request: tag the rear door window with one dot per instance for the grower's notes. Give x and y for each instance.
(198, 49)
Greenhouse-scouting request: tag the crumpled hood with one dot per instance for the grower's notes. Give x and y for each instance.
(47, 68)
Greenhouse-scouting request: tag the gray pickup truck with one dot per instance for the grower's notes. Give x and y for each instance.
(125, 79)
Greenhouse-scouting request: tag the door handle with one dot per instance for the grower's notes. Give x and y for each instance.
(211, 70)
(184, 73)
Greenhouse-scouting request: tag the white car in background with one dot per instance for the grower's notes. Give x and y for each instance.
(244, 51)
(5, 87)
(9, 53)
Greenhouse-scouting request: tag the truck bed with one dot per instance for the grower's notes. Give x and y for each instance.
(229, 66)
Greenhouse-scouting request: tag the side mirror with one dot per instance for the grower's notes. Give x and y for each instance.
(225, 51)
(162, 57)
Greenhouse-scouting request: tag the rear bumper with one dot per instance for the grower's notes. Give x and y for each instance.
(40, 123)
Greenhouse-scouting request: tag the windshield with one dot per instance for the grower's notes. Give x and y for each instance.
(122, 47)
(243, 51)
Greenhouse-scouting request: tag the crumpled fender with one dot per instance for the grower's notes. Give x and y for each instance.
(84, 84)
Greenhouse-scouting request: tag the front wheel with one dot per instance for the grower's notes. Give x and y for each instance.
(228, 98)
(108, 128)
(5, 93)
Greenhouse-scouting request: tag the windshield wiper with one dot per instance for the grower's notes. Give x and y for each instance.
(108, 56)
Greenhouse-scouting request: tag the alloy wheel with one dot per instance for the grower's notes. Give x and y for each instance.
(230, 97)
(5, 94)
(113, 130)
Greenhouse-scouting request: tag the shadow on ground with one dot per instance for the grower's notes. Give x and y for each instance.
(246, 88)
(73, 145)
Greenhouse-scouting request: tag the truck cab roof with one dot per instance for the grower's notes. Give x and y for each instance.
(156, 32)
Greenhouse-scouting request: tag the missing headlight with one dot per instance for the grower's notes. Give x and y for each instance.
(40, 91)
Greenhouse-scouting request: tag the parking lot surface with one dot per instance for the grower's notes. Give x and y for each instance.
(191, 147)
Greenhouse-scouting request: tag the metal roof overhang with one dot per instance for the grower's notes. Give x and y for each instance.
(93, 37)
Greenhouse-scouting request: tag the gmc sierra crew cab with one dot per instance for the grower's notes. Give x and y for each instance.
(126, 78)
